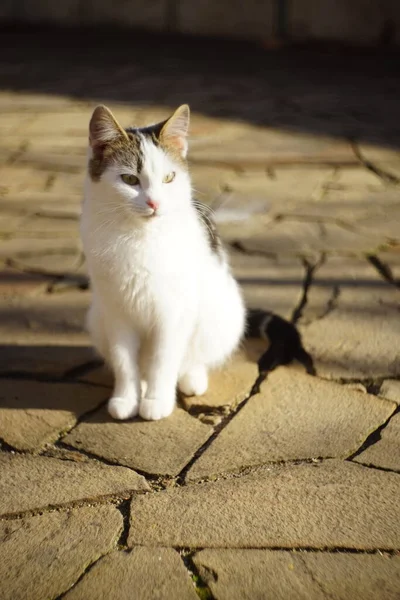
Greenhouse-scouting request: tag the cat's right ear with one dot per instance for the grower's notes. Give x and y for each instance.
(104, 128)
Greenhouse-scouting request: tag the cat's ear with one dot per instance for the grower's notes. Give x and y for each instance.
(104, 128)
(176, 128)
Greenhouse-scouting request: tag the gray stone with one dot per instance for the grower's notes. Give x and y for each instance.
(142, 574)
(47, 554)
(329, 505)
(159, 447)
(350, 324)
(295, 416)
(30, 483)
(217, 18)
(260, 574)
(385, 452)
(148, 15)
(390, 389)
(358, 22)
(35, 413)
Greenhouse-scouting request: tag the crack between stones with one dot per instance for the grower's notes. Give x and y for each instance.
(374, 437)
(311, 549)
(376, 468)
(102, 500)
(124, 507)
(307, 283)
(88, 568)
(201, 588)
(383, 269)
(385, 176)
(155, 481)
(314, 579)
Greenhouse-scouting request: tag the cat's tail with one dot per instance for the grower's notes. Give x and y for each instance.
(285, 344)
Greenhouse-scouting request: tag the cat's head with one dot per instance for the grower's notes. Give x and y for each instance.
(143, 170)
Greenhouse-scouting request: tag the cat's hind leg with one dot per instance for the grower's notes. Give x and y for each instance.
(194, 381)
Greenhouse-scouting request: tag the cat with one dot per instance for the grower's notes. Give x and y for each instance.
(165, 306)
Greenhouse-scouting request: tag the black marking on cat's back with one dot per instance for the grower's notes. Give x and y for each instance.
(205, 215)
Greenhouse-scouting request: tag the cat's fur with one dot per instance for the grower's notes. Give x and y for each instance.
(165, 306)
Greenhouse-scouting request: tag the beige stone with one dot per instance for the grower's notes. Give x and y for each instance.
(385, 452)
(382, 157)
(264, 147)
(210, 182)
(308, 238)
(390, 389)
(47, 554)
(32, 483)
(333, 504)
(34, 413)
(232, 383)
(258, 574)
(295, 416)
(272, 284)
(351, 325)
(142, 574)
(159, 447)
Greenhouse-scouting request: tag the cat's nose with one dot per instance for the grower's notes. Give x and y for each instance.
(154, 205)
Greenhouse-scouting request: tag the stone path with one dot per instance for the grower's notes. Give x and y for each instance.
(288, 492)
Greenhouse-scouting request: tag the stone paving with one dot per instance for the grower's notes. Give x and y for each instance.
(286, 491)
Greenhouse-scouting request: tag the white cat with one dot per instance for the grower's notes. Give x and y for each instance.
(165, 306)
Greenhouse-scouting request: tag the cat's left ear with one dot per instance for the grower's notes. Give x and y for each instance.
(104, 128)
(176, 128)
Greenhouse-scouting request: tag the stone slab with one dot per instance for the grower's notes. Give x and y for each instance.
(351, 324)
(264, 147)
(34, 413)
(390, 389)
(142, 574)
(385, 453)
(232, 383)
(333, 504)
(158, 447)
(385, 158)
(301, 237)
(269, 283)
(259, 574)
(45, 319)
(31, 483)
(295, 416)
(46, 554)
(44, 359)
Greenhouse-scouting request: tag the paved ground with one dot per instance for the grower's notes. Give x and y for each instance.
(291, 492)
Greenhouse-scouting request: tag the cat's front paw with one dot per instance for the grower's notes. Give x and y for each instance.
(153, 409)
(122, 408)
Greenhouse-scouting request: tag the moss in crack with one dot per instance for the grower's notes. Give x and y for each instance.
(200, 586)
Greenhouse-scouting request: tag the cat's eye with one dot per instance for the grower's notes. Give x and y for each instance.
(130, 179)
(170, 177)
